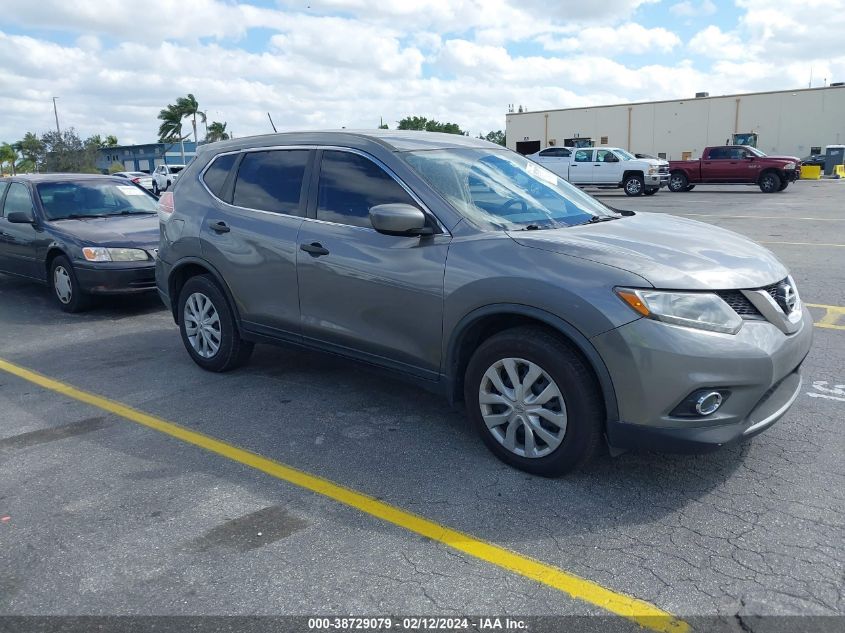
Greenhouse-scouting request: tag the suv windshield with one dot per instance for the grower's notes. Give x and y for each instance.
(93, 198)
(498, 189)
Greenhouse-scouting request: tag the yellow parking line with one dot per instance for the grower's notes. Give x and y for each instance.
(832, 316)
(639, 611)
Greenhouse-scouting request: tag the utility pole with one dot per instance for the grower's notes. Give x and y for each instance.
(56, 112)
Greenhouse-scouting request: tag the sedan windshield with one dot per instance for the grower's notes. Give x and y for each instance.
(499, 189)
(93, 198)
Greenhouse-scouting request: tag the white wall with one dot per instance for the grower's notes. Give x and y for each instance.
(789, 122)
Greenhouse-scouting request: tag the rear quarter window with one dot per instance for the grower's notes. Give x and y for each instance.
(271, 181)
(216, 174)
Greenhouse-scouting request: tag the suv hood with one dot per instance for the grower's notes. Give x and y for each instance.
(668, 251)
(130, 231)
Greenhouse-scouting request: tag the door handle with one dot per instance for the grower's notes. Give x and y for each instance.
(315, 249)
(219, 226)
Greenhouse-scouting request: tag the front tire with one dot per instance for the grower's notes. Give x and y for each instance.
(678, 182)
(534, 401)
(650, 191)
(770, 182)
(65, 287)
(633, 185)
(783, 185)
(208, 327)
(689, 188)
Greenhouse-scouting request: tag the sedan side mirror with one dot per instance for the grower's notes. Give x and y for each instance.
(21, 217)
(399, 219)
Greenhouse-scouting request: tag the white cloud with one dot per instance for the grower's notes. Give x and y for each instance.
(630, 38)
(713, 42)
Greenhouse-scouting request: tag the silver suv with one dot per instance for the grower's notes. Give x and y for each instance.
(479, 274)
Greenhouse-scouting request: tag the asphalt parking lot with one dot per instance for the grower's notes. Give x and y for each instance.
(100, 515)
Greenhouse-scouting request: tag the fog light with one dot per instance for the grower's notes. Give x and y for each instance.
(701, 403)
(708, 403)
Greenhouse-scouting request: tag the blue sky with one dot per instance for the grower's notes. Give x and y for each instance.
(332, 63)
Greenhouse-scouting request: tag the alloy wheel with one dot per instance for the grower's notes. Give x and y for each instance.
(633, 186)
(522, 407)
(202, 325)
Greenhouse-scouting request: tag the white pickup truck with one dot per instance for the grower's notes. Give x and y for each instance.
(164, 176)
(605, 167)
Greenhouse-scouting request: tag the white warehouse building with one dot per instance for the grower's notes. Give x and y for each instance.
(786, 122)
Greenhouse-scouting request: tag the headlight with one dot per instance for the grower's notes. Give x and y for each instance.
(101, 254)
(653, 170)
(789, 166)
(702, 310)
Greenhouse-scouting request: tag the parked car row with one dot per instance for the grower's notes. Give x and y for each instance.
(605, 167)
(449, 261)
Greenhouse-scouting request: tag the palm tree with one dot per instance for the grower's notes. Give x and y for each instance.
(8, 155)
(170, 130)
(217, 132)
(190, 108)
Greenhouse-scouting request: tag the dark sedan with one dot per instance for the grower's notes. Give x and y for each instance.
(81, 235)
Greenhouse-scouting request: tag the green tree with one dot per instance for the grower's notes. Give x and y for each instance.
(98, 141)
(8, 156)
(170, 130)
(497, 137)
(216, 132)
(31, 149)
(190, 108)
(111, 141)
(66, 152)
(429, 125)
(116, 167)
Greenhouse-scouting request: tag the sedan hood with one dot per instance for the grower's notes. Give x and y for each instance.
(130, 231)
(668, 251)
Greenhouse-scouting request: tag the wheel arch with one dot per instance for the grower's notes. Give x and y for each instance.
(633, 172)
(192, 267)
(482, 323)
(53, 252)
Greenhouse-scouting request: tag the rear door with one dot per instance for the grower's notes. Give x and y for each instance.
(249, 233)
(719, 165)
(18, 242)
(555, 159)
(378, 297)
(581, 167)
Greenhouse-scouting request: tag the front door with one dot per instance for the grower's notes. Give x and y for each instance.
(250, 237)
(608, 168)
(376, 296)
(581, 167)
(18, 242)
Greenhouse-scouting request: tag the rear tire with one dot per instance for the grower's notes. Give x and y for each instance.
(770, 182)
(565, 429)
(208, 327)
(633, 185)
(678, 182)
(65, 287)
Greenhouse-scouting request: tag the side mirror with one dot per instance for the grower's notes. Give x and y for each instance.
(399, 219)
(21, 217)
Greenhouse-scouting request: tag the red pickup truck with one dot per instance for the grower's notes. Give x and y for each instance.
(734, 164)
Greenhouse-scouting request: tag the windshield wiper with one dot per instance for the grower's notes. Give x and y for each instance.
(600, 218)
(531, 227)
(133, 212)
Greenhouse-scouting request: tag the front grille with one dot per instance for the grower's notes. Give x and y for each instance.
(664, 169)
(740, 304)
(773, 290)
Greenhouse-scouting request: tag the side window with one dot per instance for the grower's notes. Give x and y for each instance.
(565, 153)
(718, 153)
(553, 152)
(606, 156)
(215, 176)
(3, 186)
(350, 184)
(17, 199)
(583, 156)
(271, 181)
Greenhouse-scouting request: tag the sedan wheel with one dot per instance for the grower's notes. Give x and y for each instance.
(522, 407)
(202, 325)
(62, 284)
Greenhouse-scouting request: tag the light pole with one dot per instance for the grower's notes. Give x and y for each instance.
(56, 112)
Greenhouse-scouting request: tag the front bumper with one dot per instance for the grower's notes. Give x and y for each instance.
(655, 366)
(656, 180)
(112, 278)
